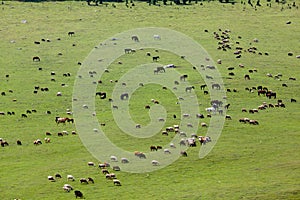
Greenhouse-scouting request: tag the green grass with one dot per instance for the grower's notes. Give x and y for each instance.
(248, 162)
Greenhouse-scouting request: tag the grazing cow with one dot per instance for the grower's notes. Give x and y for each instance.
(23, 115)
(158, 147)
(91, 164)
(36, 59)
(293, 100)
(147, 106)
(78, 194)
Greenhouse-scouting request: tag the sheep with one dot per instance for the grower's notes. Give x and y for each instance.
(51, 178)
(167, 151)
(47, 140)
(183, 153)
(117, 182)
(70, 178)
(89, 179)
(101, 165)
(78, 194)
(110, 176)
(155, 163)
(84, 180)
(116, 168)
(203, 124)
(67, 187)
(113, 158)
(57, 176)
(124, 160)
(172, 145)
(19, 142)
(105, 171)
(227, 117)
(156, 37)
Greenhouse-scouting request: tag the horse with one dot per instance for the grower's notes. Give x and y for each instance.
(183, 77)
(202, 87)
(128, 50)
(189, 89)
(160, 69)
(70, 120)
(155, 58)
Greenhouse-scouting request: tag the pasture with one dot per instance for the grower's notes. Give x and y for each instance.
(248, 161)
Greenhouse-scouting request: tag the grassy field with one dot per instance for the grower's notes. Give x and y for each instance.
(248, 162)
